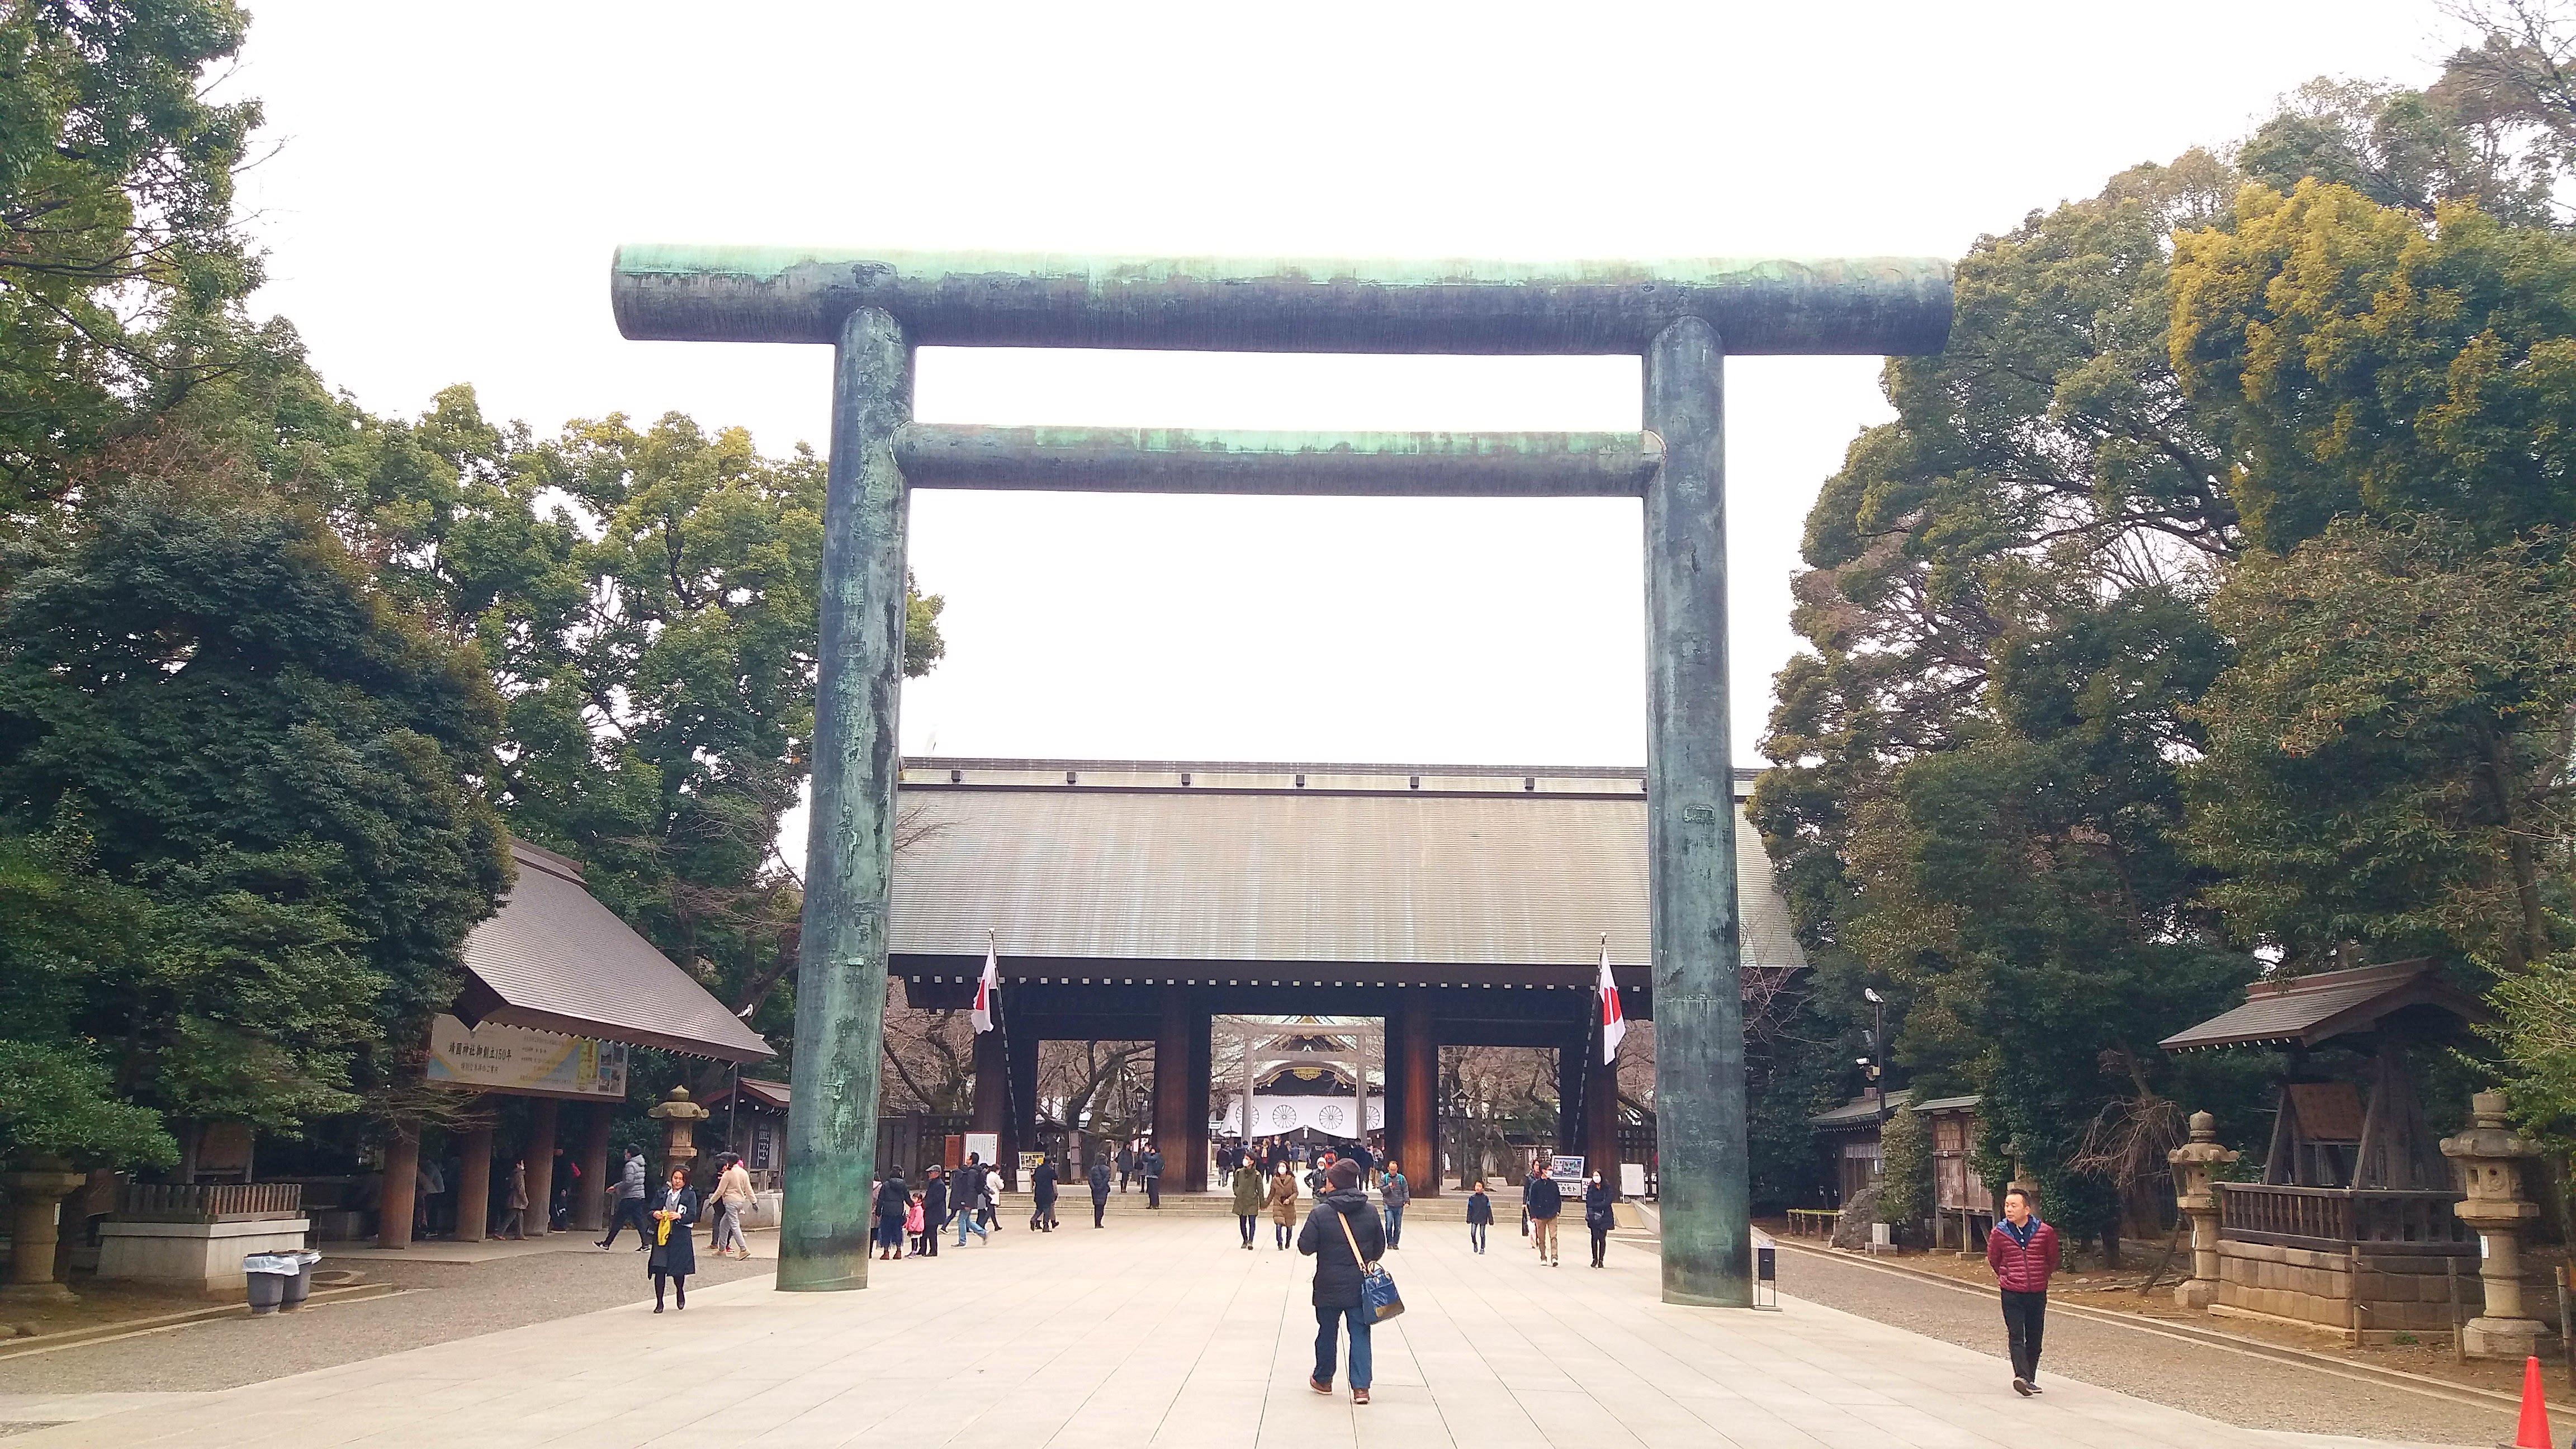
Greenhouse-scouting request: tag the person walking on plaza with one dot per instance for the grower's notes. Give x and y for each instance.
(1393, 1193)
(1151, 1165)
(629, 1204)
(1597, 1216)
(1126, 1164)
(514, 1221)
(675, 1256)
(934, 1209)
(966, 1199)
(1544, 1201)
(1042, 1192)
(428, 1185)
(1342, 1236)
(732, 1200)
(1248, 1196)
(1480, 1216)
(1283, 1204)
(1099, 1190)
(916, 1220)
(893, 1205)
(2023, 1252)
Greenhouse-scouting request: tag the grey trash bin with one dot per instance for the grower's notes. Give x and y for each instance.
(267, 1275)
(300, 1287)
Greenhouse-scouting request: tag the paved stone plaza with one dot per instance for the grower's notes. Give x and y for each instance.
(1163, 1332)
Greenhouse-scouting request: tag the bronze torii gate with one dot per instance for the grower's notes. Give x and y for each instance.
(1681, 317)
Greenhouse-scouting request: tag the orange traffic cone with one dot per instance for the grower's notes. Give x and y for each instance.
(2533, 1431)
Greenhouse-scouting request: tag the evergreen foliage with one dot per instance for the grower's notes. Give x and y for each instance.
(1905, 1171)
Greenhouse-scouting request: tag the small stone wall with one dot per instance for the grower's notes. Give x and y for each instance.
(2399, 1292)
(193, 1257)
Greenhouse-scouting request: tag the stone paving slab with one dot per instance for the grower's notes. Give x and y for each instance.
(1166, 1333)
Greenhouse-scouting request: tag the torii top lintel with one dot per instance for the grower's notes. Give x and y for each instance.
(1870, 306)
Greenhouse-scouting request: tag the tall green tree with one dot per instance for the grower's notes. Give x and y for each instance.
(2357, 360)
(1974, 797)
(121, 267)
(647, 599)
(258, 779)
(2388, 763)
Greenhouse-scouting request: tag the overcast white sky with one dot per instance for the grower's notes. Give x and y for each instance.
(452, 182)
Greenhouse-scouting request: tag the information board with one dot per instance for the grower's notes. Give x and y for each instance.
(985, 1147)
(1562, 1169)
(491, 1058)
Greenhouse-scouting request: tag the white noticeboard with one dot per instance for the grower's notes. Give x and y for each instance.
(1632, 1179)
(985, 1147)
(1562, 1169)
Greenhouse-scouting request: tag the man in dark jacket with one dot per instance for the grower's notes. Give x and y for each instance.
(1099, 1189)
(1340, 1221)
(2023, 1252)
(934, 1209)
(1151, 1165)
(893, 1205)
(966, 1199)
(1544, 1201)
(1042, 1194)
(1126, 1164)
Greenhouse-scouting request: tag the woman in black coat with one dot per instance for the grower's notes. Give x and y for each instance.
(1340, 1220)
(675, 1255)
(1597, 1198)
(894, 1204)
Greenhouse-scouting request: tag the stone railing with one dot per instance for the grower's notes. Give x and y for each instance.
(208, 1202)
(2341, 1219)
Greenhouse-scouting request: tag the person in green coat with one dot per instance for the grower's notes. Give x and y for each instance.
(1249, 1193)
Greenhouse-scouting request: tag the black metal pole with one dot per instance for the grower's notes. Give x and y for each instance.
(1878, 1066)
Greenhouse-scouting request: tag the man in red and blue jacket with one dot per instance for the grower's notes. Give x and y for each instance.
(2023, 1252)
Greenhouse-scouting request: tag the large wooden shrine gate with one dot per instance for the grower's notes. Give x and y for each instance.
(1681, 318)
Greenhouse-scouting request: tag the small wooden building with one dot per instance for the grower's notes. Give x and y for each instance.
(1963, 1206)
(749, 1115)
(2351, 1228)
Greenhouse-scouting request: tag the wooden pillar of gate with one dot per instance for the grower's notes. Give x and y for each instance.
(1601, 1116)
(1172, 1085)
(991, 1108)
(1413, 1057)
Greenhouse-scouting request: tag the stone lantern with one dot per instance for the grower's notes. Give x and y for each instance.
(2193, 1164)
(2490, 1158)
(36, 1193)
(679, 1118)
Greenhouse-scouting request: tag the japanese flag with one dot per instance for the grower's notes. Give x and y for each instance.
(985, 986)
(1614, 1022)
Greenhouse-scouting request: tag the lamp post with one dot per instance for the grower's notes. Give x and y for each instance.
(1877, 1052)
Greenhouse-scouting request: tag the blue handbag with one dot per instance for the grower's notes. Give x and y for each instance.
(1377, 1286)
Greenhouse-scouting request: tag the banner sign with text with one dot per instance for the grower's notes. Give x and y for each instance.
(493, 1058)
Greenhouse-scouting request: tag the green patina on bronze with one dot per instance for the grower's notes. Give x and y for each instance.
(1174, 460)
(977, 299)
(849, 851)
(1682, 318)
(1703, 1185)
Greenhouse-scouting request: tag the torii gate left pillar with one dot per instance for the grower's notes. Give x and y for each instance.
(1680, 318)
